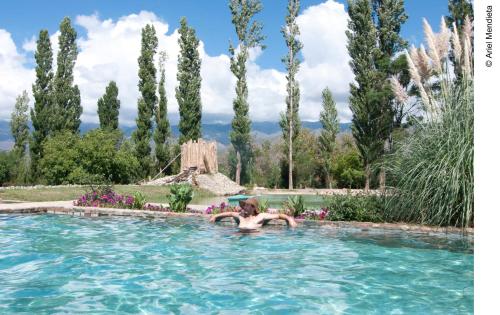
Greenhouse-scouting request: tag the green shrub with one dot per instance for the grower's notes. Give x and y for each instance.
(139, 200)
(295, 205)
(355, 208)
(263, 206)
(180, 196)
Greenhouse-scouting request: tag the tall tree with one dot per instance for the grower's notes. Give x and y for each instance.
(162, 131)
(367, 102)
(19, 124)
(290, 121)
(459, 11)
(330, 124)
(249, 34)
(108, 107)
(42, 92)
(148, 99)
(389, 16)
(67, 107)
(189, 77)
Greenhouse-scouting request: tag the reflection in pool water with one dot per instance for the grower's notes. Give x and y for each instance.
(58, 264)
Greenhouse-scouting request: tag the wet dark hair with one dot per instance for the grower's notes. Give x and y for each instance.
(251, 202)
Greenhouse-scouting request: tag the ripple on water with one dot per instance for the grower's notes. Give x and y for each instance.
(63, 264)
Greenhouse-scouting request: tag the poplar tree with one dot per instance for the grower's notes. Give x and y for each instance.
(19, 125)
(367, 102)
(290, 121)
(188, 92)
(388, 18)
(330, 128)
(162, 131)
(108, 107)
(249, 34)
(42, 92)
(20, 132)
(67, 107)
(148, 99)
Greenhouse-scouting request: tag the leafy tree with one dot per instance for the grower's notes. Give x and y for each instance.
(60, 158)
(290, 121)
(162, 131)
(266, 168)
(249, 36)
(148, 99)
(108, 107)
(67, 107)
(95, 158)
(7, 165)
(42, 92)
(327, 138)
(189, 77)
(347, 165)
(371, 116)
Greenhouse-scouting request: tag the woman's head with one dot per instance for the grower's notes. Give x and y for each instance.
(249, 207)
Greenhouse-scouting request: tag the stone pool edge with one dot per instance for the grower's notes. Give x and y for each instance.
(96, 212)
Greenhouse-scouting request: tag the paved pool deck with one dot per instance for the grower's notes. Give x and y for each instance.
(68, 208)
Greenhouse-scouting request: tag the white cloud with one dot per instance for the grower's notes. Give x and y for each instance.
(108, 50)
(14, 75)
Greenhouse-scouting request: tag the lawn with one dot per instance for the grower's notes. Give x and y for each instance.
(152, 193)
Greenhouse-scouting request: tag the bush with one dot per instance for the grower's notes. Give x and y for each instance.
(355, 208)
(105, 197)
(139, 200)
(180, 196)
(7, 166)
(95, 158)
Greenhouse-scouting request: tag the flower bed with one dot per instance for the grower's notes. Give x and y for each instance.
(109, 199)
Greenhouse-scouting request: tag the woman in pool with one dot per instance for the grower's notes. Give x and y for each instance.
(249, 219)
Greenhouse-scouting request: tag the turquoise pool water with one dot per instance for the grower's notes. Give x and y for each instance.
(61, 264)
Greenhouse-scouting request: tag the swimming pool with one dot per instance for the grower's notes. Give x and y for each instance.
(58, 264)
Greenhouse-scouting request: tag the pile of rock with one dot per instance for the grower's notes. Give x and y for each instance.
(217, 183)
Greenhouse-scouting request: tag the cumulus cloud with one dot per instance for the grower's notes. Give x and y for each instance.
(15, 76)
(108, 50)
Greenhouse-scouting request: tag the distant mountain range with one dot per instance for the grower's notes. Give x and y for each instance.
(211, 131)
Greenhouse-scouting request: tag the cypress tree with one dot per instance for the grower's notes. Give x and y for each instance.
(188, 92)
(330, 128)
(367, 102)
(290, 121)
(148, 99)
(162, 131)
(67, 107)
(249, 36)
(42, 93)
(108, 107)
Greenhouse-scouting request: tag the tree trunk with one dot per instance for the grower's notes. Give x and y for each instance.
(367, 177)
(290, 158)
(381, 179)
(238, 167)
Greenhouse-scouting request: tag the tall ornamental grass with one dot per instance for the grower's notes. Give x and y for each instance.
(433, 167)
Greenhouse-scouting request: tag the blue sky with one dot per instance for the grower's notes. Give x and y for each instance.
(109, 44)
(211, 19)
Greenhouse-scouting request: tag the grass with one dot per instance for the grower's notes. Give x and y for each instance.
(152, 193)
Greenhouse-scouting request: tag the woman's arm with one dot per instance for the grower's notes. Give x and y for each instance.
(279, 216)
(220, 216)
